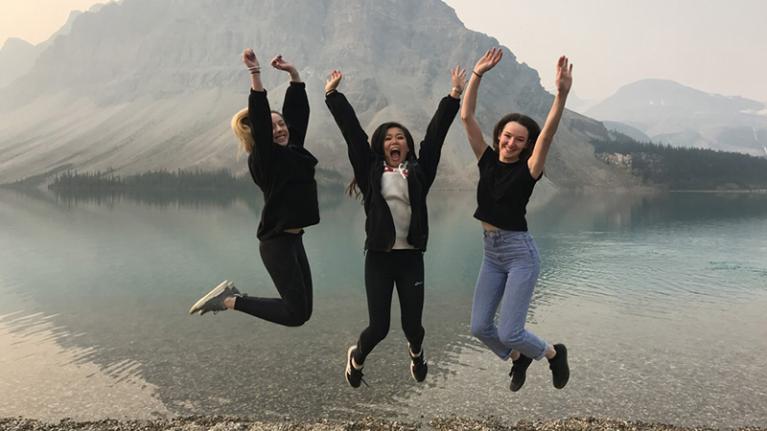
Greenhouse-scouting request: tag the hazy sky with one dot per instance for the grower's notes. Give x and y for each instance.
(719, 46)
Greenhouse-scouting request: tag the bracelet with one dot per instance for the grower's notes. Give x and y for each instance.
(457, 91)
(254, 70)
(328, 93)
(475, 72)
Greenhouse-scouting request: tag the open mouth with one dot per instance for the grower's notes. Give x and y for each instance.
(394, 153)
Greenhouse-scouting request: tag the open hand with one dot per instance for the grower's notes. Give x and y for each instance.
(564, 78)
(458, 79)
(249, 58)
(488, 61)
(333, 80)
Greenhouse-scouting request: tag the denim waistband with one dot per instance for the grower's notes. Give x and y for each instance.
(500, 233)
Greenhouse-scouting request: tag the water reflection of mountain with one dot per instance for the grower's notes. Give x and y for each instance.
(610, 212)
(331, 196)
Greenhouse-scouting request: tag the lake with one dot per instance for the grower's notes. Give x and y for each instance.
(661, 300)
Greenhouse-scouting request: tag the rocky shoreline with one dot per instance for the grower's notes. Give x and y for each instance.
(219, 423)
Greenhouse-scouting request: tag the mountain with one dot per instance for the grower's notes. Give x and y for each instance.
(151, 84)
(16, 58)
(631, 132)
(671, 113)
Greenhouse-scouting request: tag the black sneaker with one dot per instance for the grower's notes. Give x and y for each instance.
(353, 375)
(418, 365)
(560, 371)
(519, 372)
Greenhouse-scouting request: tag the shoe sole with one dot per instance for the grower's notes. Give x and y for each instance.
(348, 369)
(210, 295)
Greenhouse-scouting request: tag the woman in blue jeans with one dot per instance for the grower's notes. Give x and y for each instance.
(508, 172)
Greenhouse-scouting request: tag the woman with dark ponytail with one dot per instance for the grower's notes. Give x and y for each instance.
(284, 170)
(394, 184)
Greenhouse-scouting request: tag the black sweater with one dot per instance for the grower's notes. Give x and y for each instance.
(503, 191)
(284, 173)
(368, 167)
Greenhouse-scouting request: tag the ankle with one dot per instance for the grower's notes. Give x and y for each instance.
(229, 302)
(356, 365)
(550, 352)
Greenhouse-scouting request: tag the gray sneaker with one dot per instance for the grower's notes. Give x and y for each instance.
(214, 300)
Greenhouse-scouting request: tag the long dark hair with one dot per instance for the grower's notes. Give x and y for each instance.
(377, 145)
(533, 130)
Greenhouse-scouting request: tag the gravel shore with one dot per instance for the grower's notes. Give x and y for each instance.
(366, 424)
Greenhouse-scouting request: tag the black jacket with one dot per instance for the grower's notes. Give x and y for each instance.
(368, 168)
(284, 173)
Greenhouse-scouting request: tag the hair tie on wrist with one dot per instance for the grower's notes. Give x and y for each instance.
(475, 72)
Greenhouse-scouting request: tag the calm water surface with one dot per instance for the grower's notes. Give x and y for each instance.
(661, 300)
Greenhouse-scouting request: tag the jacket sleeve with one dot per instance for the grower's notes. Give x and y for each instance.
(431, 147)
(356, 139)
(260, 118)
(295, 110)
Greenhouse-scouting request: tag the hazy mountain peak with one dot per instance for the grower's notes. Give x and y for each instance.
(15, 43)
(148, 84)
(672, 113)
(16, 58)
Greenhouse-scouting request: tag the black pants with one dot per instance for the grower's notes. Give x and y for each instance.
(382, 271)
(285, 259)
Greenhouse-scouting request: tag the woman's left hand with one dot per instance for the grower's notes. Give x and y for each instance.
(564, 78)
(458, 81)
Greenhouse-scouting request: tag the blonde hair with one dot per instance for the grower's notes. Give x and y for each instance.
(241, 128)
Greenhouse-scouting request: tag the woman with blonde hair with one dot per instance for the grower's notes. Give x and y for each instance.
(284, 170)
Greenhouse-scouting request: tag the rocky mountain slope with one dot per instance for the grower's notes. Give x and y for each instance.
(151, 84)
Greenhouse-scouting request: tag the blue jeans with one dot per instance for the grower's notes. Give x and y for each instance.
(510, 268)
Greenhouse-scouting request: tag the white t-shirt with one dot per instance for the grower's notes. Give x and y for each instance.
(395, 193)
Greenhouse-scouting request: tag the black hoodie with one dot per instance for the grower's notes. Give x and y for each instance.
(284, 173)
(368, 168)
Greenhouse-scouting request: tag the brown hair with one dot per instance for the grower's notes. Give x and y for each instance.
(533, 130)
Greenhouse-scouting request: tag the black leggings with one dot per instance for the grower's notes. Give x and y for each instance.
(382, 271)
(285, 259)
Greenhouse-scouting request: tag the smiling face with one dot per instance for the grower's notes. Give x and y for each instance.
(395, 146)
(512, 140)
(280, 132)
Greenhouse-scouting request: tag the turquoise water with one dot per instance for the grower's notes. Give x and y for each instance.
(660, 299)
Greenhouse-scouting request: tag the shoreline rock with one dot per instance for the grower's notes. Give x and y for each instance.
(220, 423)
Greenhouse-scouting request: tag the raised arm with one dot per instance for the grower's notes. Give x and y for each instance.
(259, 113)
(295, 108)
(469, 108)
(356, 139)
(431, 147)
(564, 81)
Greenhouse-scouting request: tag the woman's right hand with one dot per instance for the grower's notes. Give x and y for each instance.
(488, 61)
(249, 58)
(333, 80)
